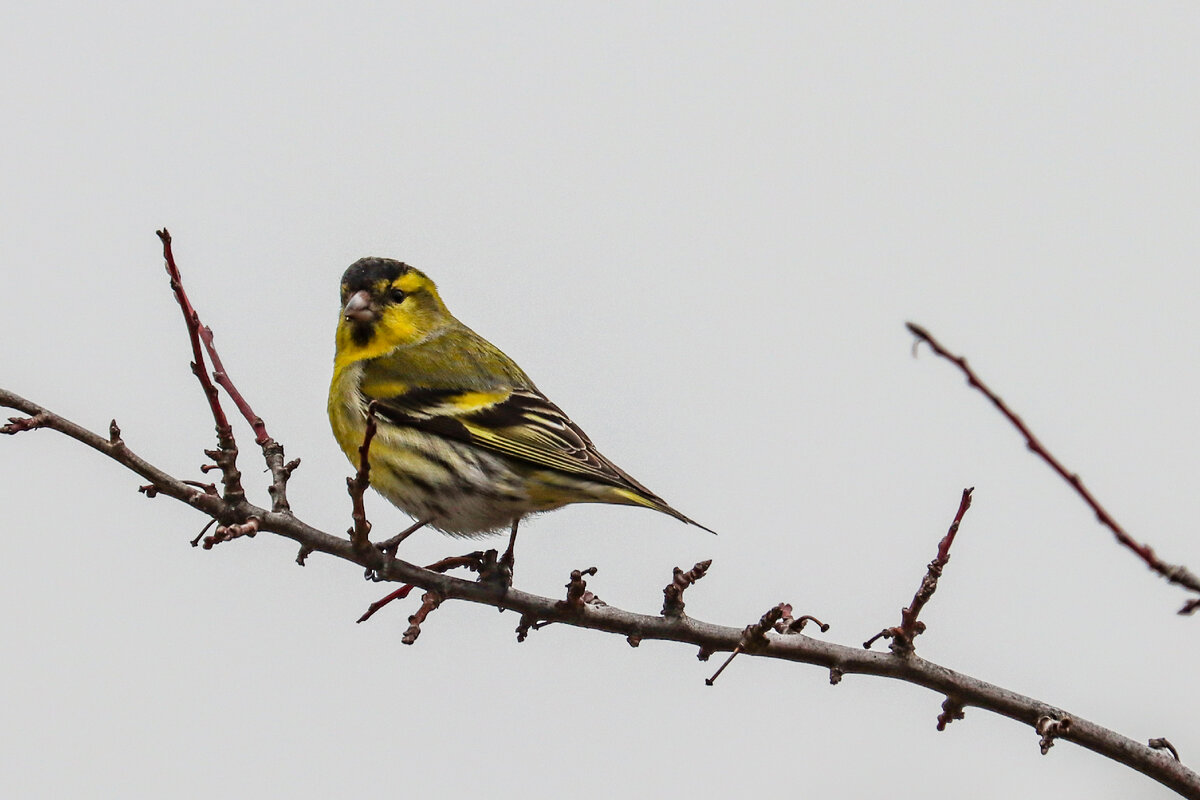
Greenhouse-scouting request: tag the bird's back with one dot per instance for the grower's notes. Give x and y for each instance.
(453, 358)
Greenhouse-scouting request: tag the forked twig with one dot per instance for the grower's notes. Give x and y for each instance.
(226, 454)
(767, 638)
(709, 638)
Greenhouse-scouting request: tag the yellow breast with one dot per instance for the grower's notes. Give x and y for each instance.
(347, 408)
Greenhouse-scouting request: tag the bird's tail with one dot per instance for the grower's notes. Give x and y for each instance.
(660, 505)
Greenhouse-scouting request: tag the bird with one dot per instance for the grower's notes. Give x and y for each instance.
(465, 442)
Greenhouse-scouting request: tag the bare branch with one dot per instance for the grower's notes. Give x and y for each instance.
(910, 627)
(226, 453)
(840, 660)
(160, 481)
(357, 487)
(272, 450)
(222, 378)
(1174, 573)
(777, 634)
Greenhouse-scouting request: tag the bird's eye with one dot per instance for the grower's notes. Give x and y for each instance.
(396, 295)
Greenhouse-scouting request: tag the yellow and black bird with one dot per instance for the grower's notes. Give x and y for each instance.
(465, 441)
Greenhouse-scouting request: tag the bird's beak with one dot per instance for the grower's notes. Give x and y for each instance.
(358, 308)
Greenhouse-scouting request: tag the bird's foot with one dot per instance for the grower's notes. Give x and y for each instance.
(497, 569)
(476, 562)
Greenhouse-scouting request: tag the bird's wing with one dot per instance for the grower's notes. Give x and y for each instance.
(519, 423)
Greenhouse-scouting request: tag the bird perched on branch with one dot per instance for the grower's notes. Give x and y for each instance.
(465, 441)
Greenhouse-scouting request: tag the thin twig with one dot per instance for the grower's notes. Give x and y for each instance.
(910, 627)
(753, 638)
(1174, 573)
(708, 638)
(196, 542)
(357, 487)
(237, 530)
(222, 378)
(272, 450)
(226, 453)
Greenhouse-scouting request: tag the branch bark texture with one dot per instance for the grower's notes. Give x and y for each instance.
(776, 635)
(963, 691)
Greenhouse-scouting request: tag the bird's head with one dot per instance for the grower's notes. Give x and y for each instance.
(387, 304)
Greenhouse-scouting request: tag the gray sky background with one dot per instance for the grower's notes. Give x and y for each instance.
(700, 229)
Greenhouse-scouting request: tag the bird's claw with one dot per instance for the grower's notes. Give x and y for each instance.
(496, 570)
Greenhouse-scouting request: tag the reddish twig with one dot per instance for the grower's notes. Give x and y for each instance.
(673, 593)
(910, 626)
(222, 377)
(226, 457)
(429, 601)
(1174, 573)
(226, 453)
(196, 542)
(225, 533)
(19, 424)
(272, 450)
(192, 319)
(401, 593)
(357, 487)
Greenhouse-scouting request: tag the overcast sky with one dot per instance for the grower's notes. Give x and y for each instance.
(700, 229)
